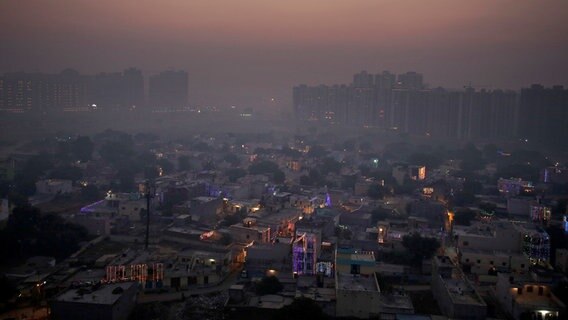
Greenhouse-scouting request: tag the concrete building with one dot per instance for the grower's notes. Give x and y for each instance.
(112, 301)
(264, 259)
(357, 290)
(456, 297)
(483, 262)
(54, 186)
(562, 260)
(513, 187)
(506, 236)
(249, 231)
(521, 296)
(95, 225)
(130, 205)
(357, 295)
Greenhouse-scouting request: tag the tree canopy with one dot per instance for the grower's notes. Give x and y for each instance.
(269, 285)
(420, 247)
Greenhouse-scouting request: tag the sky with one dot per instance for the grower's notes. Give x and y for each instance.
(246, 52)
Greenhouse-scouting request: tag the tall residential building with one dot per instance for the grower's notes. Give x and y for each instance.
(407, 107)
(133, 87)
(37, 92)
(543, 114)
(122, 90)
(169, 89)
(410, 80)
(70, 91)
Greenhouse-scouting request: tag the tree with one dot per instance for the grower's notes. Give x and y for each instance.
(66, 172)
(278, 176)
(301, 308)
(290, 152)
(263, 167)
(420, 247)
(490, 152)
(125, 178)
(376, 191)
(235, 174)
(115, 152)
(317, 151)
(8, 289)
(166, 165)
(330, 165)
(464, 217)
(379, 214)
(429, 160)
(232, 159)
(183, 163)
(82, 148)
(17, 199)
(31, 172)
(488, 207)
(90, 193)
(29, 233)
(269, 285)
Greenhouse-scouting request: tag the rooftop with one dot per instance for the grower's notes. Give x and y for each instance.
(106, 294)
(270, 301)
(350, 282)
(462, 293)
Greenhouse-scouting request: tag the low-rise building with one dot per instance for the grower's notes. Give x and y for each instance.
(358, 293)
(249, 231)
(455, 295)
(112, 301)
(483, 262)
(54, 186)
(521, 297)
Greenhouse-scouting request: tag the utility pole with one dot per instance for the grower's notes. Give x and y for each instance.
(148, 195)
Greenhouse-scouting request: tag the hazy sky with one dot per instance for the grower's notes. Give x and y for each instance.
(243, 52)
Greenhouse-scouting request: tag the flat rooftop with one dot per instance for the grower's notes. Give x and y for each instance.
(462, 293)
(270, 301)
(350, 282)
(491, 252)
(536, 301)
(102, 295)
(397, 301)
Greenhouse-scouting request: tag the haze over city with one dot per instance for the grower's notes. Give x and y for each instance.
(245, 52)
(293, 159)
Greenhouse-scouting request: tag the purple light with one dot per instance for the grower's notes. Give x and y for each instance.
(91, 208)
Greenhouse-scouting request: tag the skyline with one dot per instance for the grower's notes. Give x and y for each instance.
(245, 53)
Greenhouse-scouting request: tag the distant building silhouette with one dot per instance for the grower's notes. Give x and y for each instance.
(543, 114)
(169, 89)
(407, 106)
(70, 91)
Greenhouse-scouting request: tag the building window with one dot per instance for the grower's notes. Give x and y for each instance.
(540, 291)
(478, 260)
(522, 265)
(467, 260)
(465, 243)
(491, 262)
(529, 288)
